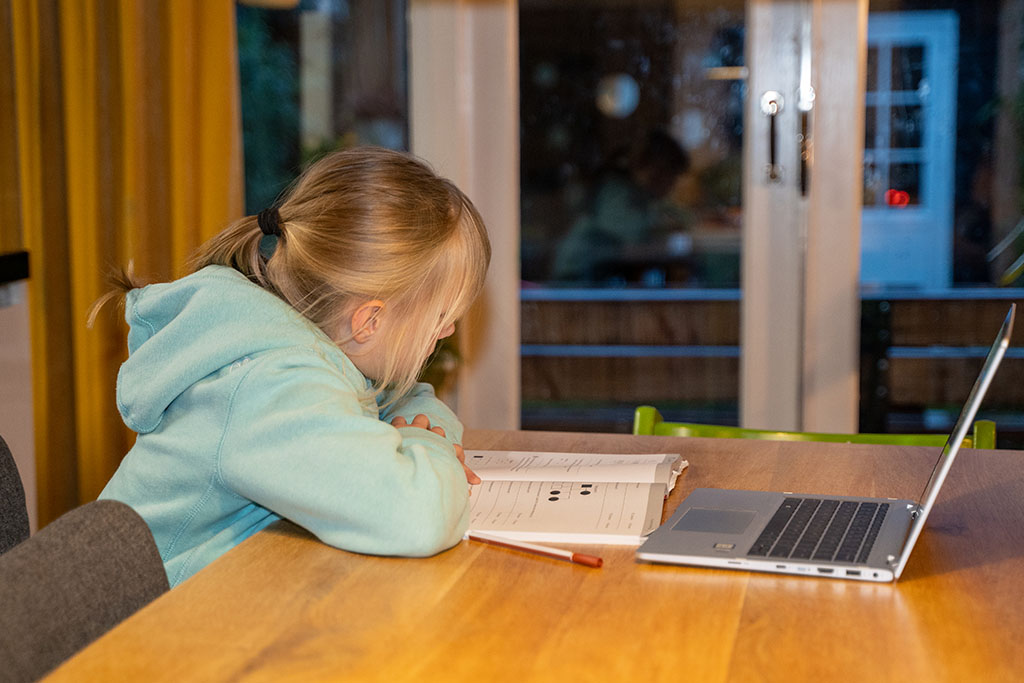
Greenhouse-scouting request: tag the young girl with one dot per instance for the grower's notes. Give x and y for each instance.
(279, 378)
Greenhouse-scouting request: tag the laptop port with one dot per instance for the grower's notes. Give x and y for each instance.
(825, 570)
(780, 566)
(853, 572)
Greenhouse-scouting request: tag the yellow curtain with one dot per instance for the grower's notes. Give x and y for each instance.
(128, 129)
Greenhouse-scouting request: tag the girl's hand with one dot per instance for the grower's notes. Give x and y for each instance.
(423, 422)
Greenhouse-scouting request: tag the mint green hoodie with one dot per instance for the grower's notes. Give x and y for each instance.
(247, 413)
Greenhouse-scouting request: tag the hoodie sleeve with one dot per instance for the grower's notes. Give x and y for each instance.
(298, 443)
(421, 400)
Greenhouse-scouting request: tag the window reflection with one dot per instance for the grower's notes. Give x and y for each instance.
(617, 315)
(942, 191)
(631, 139)
(907, 67)
(906, 126)
(317, 76)
(918, 51)
(631, 143)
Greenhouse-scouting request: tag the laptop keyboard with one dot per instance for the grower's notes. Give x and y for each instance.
(821, 529)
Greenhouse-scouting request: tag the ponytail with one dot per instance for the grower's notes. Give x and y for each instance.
(122, 280)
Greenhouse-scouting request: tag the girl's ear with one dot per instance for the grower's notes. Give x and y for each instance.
(366, 320)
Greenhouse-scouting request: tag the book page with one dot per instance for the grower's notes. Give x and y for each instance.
(581, 512)
(582, 467)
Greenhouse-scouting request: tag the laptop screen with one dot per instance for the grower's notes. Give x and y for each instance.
(963, 423)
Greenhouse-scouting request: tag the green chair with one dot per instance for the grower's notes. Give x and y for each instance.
(647, 420)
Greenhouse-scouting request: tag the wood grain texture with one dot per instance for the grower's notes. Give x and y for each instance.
(283, 606)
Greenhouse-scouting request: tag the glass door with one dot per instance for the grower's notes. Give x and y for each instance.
(554, 96)
(631, 167)
(666, 158)
(651, 183)
(943, 228)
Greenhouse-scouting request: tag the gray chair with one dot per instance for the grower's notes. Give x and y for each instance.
(70, 583)
(13, 512)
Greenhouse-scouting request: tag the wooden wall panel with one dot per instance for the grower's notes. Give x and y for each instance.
(630, 380)
(913, 383)
(919, 382)
(968, 322)
(714, 323)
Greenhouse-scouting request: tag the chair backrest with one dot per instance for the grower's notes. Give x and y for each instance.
(647, 420)
(71, 582)
(13, 512)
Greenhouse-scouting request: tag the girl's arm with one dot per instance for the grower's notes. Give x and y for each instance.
(421, 401)
(299, 443)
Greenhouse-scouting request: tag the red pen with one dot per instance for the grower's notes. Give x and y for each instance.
(557, 553)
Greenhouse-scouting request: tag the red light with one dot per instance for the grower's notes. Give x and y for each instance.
(897, 198)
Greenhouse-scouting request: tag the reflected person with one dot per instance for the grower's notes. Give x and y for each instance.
(626, 209)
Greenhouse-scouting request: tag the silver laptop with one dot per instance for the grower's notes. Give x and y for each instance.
(867, 539)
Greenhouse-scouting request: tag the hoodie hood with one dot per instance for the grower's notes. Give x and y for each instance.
(182, 331)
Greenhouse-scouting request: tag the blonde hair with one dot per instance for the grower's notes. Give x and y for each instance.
(363, 224)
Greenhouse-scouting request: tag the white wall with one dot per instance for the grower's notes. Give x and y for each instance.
(16, 387)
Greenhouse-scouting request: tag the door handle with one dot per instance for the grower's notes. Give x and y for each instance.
(771, 106)
(805, 149)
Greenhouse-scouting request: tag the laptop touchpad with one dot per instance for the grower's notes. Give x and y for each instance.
(715, 521)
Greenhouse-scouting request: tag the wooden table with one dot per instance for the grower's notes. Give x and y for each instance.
(283, 606)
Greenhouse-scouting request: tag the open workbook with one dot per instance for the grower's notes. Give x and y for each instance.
(571, 497)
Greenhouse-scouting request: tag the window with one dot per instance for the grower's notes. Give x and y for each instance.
(328, 74)
(632, 295)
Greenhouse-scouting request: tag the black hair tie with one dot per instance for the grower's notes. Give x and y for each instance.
(269, 221)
